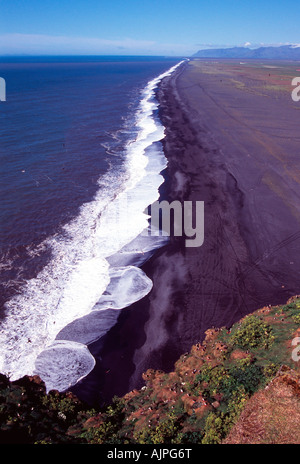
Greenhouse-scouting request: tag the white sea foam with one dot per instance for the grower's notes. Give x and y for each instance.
(63, 361)
(127, 285)
(89, 328)
(83, 276)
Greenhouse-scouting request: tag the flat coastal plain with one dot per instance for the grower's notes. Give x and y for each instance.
(232, 141)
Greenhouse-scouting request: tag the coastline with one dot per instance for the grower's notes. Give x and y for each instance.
(40, 329)
(251, 229)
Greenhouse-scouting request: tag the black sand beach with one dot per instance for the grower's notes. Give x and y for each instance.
(232, 141)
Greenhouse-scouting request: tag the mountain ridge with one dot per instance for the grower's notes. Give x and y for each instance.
(283, 52)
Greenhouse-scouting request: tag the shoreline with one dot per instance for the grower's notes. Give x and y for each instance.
(244, 262)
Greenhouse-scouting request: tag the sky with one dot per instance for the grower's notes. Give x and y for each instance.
(143, 27)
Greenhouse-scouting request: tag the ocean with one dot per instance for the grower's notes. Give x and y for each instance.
(81, 160)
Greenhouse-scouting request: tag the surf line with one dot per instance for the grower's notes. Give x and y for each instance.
(73, 284)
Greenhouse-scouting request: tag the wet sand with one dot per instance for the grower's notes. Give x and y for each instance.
(232, 141)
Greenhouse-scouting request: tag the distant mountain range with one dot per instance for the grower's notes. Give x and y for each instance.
(284, 52)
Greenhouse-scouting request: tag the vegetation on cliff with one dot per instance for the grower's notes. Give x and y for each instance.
(237, 386)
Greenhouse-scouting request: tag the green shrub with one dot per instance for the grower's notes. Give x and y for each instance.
(223, 380)
(270, 370)
(167, 431)
(218, 424)
(214, 377)
(104, 433)
(192, 437)
(296, 318)
(253, 333)
(248, 377)
(214, 429)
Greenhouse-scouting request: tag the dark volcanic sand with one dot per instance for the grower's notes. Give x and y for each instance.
(232, 141)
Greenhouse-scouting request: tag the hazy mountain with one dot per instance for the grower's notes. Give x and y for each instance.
(284, 52)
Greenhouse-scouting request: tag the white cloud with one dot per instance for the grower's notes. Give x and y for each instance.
(33, 44)
(10, 43)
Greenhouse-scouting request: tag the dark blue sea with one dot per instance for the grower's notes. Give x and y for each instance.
(80, 157)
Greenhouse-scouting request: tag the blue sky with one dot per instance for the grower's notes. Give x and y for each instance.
(143, 27)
